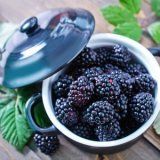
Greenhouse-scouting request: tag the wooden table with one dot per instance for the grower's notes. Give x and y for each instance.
(147, 148)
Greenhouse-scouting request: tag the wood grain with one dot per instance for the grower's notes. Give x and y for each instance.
(15, 11)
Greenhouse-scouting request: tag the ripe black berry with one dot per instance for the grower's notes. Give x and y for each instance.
(108, 132)
(65, 113)
(145, 83)
(107, 68)
(141, 107)
(106, 86)
(135, 69)
(92, 73)
(81, 91)
(47, 144)
(61, 86)
(120, 55)
(100, 112)
(83, 130)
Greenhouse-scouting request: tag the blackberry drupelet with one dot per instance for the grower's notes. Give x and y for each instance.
(120, 55)
(65, 113)
(87, 58)
(135, 69)
(141, 107)
(98, 113)
(121, 106)
(46, 143)
(106, 86)
(81, 91)
(92, 73)
(145, 83)
(61, 86)
(108, 132)
(83, 130)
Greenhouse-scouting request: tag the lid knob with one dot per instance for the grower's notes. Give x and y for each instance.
(29, 26)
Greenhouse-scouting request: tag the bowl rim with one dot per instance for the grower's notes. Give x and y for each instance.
(145, 57)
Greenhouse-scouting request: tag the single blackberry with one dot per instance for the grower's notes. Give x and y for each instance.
(98, 113)
(83, 130)
(141, 107)
(145, 83)
(107, 86)
(121, 106)
(65, 113)
(124, 80)
(108, 132)
(92, 73)
(135, 69)
(46, 143)
(87, 58)
(107, 68)
(120, 55)
(81, 91)
(105, 52)
(61, 86)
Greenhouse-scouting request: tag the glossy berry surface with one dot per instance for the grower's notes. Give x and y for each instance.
(46, 143)
(141, 107)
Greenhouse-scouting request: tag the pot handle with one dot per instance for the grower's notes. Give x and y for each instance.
(28, 110)
(155, 51)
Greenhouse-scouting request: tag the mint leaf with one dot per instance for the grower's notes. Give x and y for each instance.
(6, 29)
(154, 31)
(156, 6)
(131, 30)
(13, 124)
(40, 116)
(132, 5)
(156, 124)
(117, 15)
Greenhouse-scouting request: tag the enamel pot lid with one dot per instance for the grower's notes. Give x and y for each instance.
(43, 45)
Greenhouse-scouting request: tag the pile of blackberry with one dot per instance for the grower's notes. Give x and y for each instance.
(105, 95)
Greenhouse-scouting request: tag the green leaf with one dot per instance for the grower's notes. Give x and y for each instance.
(131, 30)
(156, 124)
(117, 15)
(154, 31)
(40, 116)
(156, 6)
(13, 123)
(132, 5)
(6, 30)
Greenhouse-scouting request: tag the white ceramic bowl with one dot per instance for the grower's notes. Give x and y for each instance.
(148, 61)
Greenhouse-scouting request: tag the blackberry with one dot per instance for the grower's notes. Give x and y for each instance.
(87, 58)
(106, 86)
(83, 130)
(145, 83)
(107, 68)
(47, 144)
(104, 51)
(141, 107)
(108, 132)
(92, 73)
(61, 86)
(124, 80)
(65, 113)
(98, 113)
(121, 106)
(135, 69)
(120, 55)
(81, 91)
